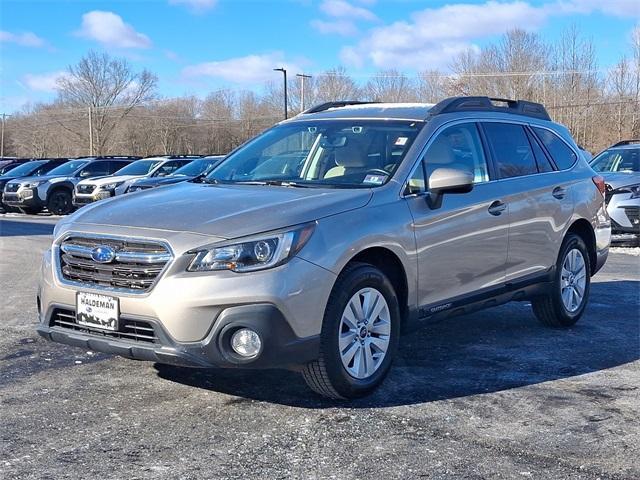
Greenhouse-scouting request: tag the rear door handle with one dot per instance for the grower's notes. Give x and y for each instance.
(497, 207)
(559, 193)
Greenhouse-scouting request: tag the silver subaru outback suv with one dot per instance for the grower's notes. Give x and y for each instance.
(312, 246)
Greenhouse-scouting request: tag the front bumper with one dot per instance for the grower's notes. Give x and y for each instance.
(80, 200)
(624, 213)
(191, 312)
(25, 198)
(281, 347)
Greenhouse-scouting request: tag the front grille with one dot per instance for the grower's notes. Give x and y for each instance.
(10, 197)
(12, 187)
(82, 200)
(85, 189)
(135, 267)
(633, 214)
(132, 330)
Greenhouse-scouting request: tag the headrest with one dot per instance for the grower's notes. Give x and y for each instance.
(352, 155)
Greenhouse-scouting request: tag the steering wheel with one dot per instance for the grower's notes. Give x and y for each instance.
(378, 171)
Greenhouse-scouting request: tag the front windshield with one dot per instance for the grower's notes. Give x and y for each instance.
(68, 168)
(26, 168)
(333, 153)
(196, 167)
(626, 160)
(139, 167)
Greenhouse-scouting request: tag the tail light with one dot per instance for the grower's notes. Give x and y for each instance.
(599, 183)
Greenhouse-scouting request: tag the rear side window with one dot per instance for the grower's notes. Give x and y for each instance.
(560, 152)
(511, 150)
(95, 169)
(116, 165)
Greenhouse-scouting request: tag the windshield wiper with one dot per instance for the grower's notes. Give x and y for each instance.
(277, 183)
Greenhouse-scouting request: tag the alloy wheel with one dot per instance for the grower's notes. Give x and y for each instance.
(364, 333)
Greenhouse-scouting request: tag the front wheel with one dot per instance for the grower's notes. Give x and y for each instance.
(565, 303)
(359, 336)
(60, 203)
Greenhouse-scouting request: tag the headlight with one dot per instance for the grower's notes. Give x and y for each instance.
(253, 254)
(635, 191)
(110, 186)
(32, 184)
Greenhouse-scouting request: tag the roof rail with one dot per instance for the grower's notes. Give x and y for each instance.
(327, 105)
(489, 104)
(625, 142)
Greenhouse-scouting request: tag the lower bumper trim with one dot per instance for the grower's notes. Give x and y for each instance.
(282, 349)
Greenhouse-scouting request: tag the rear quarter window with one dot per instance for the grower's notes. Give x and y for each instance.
(562, 155)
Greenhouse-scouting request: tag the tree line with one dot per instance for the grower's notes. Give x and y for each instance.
(103, 106)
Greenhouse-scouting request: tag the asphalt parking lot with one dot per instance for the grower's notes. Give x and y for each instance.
(489, 395)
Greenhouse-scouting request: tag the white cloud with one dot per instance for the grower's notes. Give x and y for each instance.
(110, 30)
(24, 39)
(249, 70)
(196, 6)
(44, 82)
(343, 9)
(338, 27)
(432, 37)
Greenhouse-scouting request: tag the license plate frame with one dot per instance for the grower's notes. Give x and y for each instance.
(99, 311)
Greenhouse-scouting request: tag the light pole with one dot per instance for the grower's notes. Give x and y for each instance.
(302, 78)
(284, 71)
(4, 116)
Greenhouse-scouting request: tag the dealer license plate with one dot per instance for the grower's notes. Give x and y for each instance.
(97, 311)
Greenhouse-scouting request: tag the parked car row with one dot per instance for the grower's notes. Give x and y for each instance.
(61, 185)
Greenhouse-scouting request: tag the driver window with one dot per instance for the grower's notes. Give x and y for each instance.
(458, 147)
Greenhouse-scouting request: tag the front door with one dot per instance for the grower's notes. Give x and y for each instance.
(461, 244)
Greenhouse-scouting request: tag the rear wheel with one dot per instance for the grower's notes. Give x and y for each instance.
(359, 335)
(59, 202)
(565, 303)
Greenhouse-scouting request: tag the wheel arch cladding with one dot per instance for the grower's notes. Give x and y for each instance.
(584, 230)
(389, 263)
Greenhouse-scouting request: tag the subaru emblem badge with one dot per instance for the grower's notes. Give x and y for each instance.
(103, 254)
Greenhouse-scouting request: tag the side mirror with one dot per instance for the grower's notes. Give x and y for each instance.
(84, 174)
(448, 180)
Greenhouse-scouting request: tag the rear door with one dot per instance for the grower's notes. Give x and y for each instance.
(538, 196)
(462, 244)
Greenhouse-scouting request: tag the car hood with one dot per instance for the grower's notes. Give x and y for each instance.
(618, 179)
(41, 178)
(225, 211)
(157, 181)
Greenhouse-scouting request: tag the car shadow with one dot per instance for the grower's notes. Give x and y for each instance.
(488, 351)
(12, 228)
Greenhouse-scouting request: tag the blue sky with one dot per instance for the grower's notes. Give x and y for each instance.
(195, 46)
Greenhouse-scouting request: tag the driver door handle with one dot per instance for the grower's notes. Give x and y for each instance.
(497, 207)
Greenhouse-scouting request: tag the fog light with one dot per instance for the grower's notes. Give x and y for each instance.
(246, 343)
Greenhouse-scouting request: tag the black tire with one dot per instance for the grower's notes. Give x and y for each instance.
(59, 202)
(327, 375)
(550, 309)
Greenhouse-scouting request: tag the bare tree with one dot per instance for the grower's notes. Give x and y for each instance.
(108, 89)
(390, 86)
(336, 84)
